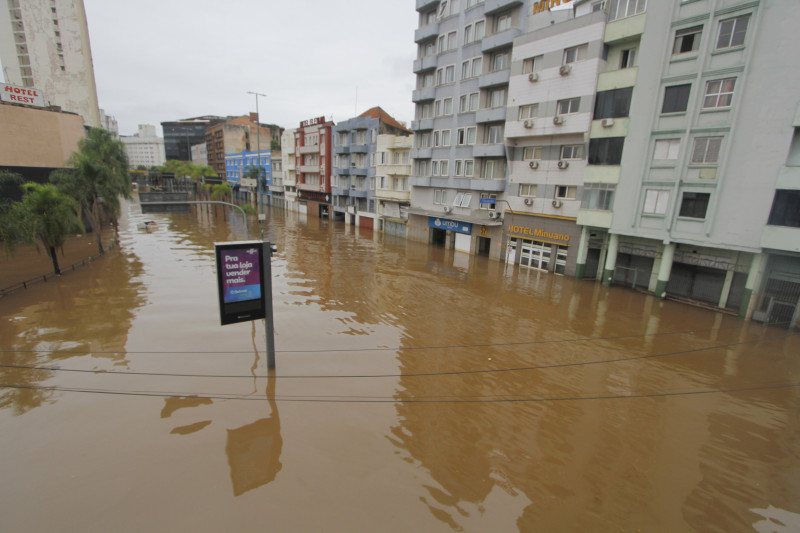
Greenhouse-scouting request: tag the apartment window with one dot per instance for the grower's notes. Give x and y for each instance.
(440, 196)
(441, 138)
(785, 209)
(566, 192)
(628, 58)
(427, 49)
(443, 107)
(452, 40)
(606, 151)
(694, 204)
(471, 68)
(655, 202)
(666, 149)
(687, 40)
(500, 60)
(486, 196)
(598, 196)
(494, 169)
(676, 98)
(497, 98)
(458, 167)
(527, 189)
(424, 140)
(462, 199)
(572, 151)
(719, 93)
(618, 9)
(568, 106)
(494, 134)
(423, 167)
(732, 32)
(473, 3)
(531, 64)
(532, 152)
(468, 102)
(480, 30)
(613, 104)
(445, 75)
(706, 150)
(423, 111)
(469, 167)
(466, 135)
(528, 111)
(576, 53)
(502, 23)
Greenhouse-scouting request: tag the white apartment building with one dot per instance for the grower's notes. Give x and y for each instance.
(144, 148)
(393, 193)
(289, 165)
(44, 44)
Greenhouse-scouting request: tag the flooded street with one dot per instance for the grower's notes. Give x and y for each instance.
(417, 389)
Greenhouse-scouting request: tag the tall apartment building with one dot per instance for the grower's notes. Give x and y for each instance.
(392, 189)
(701, 175)
(144, 148)
(44, 44)
(181, 135)
(289, 169)
(237, 134)
(463, 73)
(313, 159)
(355, 147)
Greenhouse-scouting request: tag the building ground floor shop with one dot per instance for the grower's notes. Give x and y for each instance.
(541, 242)
(469, 235)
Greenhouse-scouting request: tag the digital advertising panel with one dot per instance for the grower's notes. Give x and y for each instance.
(240, 281)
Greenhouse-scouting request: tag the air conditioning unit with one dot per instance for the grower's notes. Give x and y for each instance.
(533, 76)
(607, 122)
(494, 215)
(563, 164)
(558, 119)
(528, 201)
(556, 203)
(528, 123)
(534, 165)
(447, 209)
(564, 70)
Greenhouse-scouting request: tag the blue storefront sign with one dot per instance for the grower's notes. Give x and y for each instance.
(452, 225)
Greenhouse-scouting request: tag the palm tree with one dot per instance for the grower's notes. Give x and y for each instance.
(50, 217)
(12, 227)
(99, 178)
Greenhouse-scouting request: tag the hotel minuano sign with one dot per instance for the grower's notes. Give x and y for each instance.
(547, 5)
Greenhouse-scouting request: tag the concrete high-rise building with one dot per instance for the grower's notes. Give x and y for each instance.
(235, 135)
(289, 169)
(44, 44)
(181, 135)
(313, 158)
(145, 148)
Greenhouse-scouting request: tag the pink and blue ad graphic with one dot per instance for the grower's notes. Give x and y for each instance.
(241, 275)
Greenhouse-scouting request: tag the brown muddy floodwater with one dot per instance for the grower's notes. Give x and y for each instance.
(417, 390)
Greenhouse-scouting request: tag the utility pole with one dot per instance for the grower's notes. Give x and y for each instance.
(258, 148)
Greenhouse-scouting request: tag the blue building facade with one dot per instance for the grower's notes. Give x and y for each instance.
(237, 166)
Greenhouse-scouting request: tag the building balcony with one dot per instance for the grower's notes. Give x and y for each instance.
(422, 153)
(494, 6)
(393, 170)
(425, 63)
(310, 149)
(420, 95)
(595, 218)
(489, 150)
(340, 191)
(358, 148)
(426, 4)
(499, 40)
(308, 169)
(341, 149)
(487, 185)
(309, 187)
(426, 32)
(394, 196)
(617, 79)
(495, 114)
(492, 79)
(341, 171)
(420, 181)
(624, 29)
(276, 188)
(358, 193)
(421, 125)
(358, 171)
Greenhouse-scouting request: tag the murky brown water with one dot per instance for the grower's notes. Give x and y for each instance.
(416, 390)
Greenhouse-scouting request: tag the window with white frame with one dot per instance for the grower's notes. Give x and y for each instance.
(458, 167)
(687, 40)
(469, 167)
(499, 60)
(488, 205)
(466, 136)
(619, 9)
(445, 75)
(666, 149)
(575, 53)
(427, 49)
(424, 140)
(479, 30)
(462, 199)
(440, 196)
(532, 153)
(468, 102)
(493, 169)
(656, 202)
(528, 111)
(568, 106)
(572, 151)
(706, 150)
(494, 134)
(473, 32)
(441, 138)
(473, 3)
(502, 22)
(423, 111)
(719, 93)
(423, 167)
(471, 68)
(628, 58)
(527, 189)
(497, 97)
(566, 192)
(425, 80)
(531, 64)
(732, 32)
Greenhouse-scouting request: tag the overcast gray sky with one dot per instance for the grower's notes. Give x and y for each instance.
(162, 60)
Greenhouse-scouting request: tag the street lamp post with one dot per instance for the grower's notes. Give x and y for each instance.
(258, 148)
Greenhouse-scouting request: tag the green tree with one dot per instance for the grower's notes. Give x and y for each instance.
(221, 192)
(98, 180)
(49, 216)
(13, 228)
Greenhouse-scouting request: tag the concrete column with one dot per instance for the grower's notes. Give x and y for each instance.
(583, 251)
(667, 255)
(611, 258)
(753, 280)
(726, 289)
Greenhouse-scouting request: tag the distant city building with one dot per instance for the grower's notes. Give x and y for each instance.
(181, 135)
(237, 165)
(312, 149)
(355, 147)
(237, 134)
(46, 45)
(109, 123)
(289, 169)
(200, 154)
(144, 149)
(392, 190)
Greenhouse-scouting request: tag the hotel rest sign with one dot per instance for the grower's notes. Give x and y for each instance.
(312, 122)
(21, 95)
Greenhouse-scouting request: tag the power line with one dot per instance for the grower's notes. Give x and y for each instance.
(471, 400)
(401, 375)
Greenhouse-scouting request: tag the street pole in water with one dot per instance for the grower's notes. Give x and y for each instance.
(258, 148)
(268, 324)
